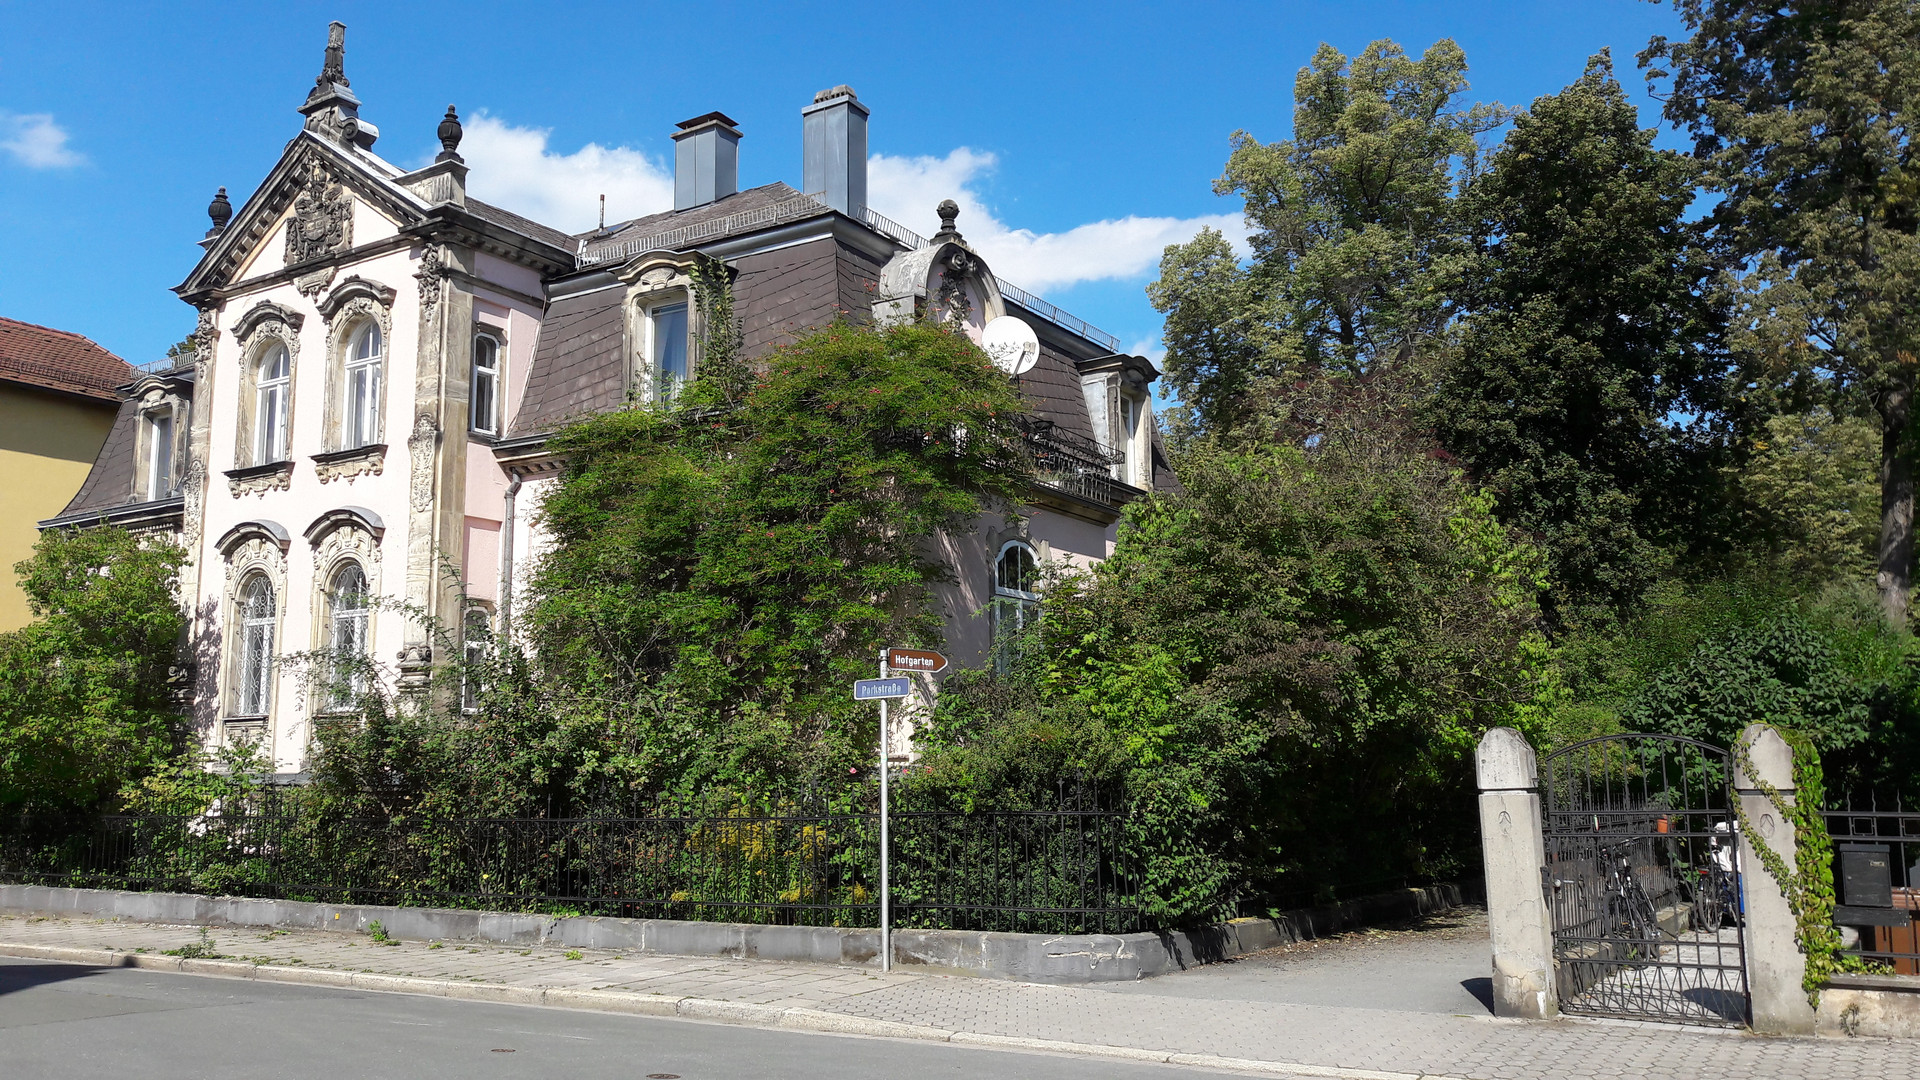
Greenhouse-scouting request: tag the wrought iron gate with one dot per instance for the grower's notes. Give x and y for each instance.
(1643, 879)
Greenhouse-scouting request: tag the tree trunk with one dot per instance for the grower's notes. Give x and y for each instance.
(1895, 577)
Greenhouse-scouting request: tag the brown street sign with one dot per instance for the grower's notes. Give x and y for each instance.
(922, 661)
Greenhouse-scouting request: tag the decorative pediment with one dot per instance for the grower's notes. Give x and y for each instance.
(313, 188)
(271, 532)
(946, 281)
(657, 270)
(355, 288)
(358, 517)
(263, 312)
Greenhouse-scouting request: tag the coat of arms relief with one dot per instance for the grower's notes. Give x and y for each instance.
(322, 224)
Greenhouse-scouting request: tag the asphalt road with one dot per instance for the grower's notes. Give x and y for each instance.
(69, 1021)
(1438, 964)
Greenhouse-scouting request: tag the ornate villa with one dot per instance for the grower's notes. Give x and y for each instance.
(380, 361)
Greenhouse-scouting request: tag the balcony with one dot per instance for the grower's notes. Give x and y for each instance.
(1074, 464)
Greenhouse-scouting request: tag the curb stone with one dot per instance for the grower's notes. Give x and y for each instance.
(689, 1008)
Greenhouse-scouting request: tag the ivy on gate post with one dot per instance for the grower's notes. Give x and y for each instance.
(1809, 884)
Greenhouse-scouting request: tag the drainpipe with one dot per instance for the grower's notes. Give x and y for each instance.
(506, 562)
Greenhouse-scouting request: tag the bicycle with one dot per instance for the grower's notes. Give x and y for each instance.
(1630, 914)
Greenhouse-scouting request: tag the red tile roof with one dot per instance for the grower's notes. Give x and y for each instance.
(58, 360)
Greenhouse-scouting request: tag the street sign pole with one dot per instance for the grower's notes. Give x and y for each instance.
(886, 885)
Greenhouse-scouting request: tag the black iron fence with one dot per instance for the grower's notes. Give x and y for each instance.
(1876, 876)
(1043, 871)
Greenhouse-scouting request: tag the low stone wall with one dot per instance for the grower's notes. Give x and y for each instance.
(1068, 958)
(1887, 1006)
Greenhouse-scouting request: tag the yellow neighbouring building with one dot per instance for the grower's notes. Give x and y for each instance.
(58, 400)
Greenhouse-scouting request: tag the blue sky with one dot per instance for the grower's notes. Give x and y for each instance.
(1079, 138)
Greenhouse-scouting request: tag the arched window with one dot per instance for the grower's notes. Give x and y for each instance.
(347, 611)
(253, 687)
(1016, 598)
(361, 422)
(477, 640)
(271, 384)
(485, 391)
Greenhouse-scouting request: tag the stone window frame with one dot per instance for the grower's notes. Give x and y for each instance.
(353, 304)
(251, 549)
(656, 282)
(264, 326)
(484, 331)
(336, 538)
(154, 405)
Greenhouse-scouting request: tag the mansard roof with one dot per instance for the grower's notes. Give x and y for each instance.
(59, 360)
(526, 227)
(110, 482)
(735, 215)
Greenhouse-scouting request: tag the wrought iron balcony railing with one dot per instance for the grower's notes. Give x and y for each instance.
(1075, 464)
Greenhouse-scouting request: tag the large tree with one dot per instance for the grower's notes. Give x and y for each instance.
(1352, 219)
(1803, 111)
(1587, 329)
(85, 699)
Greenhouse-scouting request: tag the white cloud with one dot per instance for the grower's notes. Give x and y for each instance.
(512, 167)
(36, 141)
(908, 189)
(1152, 348)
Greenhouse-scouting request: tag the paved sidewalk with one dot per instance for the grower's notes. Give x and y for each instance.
(1272, 1037)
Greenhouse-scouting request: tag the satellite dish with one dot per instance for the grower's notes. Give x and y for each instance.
(1014, 346)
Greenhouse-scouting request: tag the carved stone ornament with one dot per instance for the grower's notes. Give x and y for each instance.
(416, 667)
(191, 489)
(257, 551)
(260, 479)
(204, 339)
(340, 545)
(347, 464)
(954, 305)
(433, 271)
(420, 446)
(322, 221)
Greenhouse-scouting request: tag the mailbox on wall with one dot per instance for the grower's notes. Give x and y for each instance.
(1866, 887)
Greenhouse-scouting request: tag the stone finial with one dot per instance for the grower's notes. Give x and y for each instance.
(949, 212)
(334, 69)
(220, 210)
(450, 132)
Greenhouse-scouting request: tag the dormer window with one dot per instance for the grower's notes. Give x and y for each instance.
(484, 393)
(667, 326)
(365, 358)
(159, 457)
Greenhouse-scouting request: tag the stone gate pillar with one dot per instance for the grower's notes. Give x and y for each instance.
(1512, 839)
(1775, 965)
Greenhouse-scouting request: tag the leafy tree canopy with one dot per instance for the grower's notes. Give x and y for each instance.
(1804, 112)
(85, 704)
(1588, 327)
(1353, 217)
